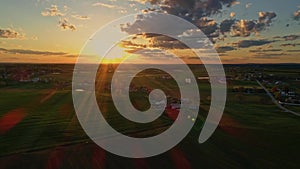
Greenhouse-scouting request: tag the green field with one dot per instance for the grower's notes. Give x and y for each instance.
(43, 131)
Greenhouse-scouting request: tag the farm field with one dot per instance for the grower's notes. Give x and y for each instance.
(39, 127)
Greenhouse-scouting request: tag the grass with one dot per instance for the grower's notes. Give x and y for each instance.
(253, 132)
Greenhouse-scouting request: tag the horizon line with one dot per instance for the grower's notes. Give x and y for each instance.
(43, 63)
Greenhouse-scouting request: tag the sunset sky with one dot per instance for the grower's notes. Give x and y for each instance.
(244, 31)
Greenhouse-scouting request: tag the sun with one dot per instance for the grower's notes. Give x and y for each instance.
(115, 55)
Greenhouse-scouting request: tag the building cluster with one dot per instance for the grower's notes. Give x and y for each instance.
(283, 92)
(247, 90)
(14, 75)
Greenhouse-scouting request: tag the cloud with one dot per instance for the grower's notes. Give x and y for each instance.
(193, 8)
(169, 45)
(165, 42)
(141, 1)
(195, 11)
(290, 44)
(34, 38)
(263, 55)
(291, 37)
(296, 15)
(131, 46)
(10, 34)
(266, 17)
(81, 17)
(154, 53)
(224, 49)
(107, 5)
(66, 8)
(31, 52)
(243, 28)
(265, 50)
(232, 14)
(250, 43)
(52, 11)
(248, 5)
(64, 24)
(198, 13)
(223, 54)
(297, 50)
(207, 26)
(123, 11)
(288, 37)
(226, 25)
(152, 41)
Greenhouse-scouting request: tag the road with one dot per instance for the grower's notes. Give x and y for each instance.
(276, 102)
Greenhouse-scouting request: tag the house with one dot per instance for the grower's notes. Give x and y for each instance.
(291, 94)
(203, 78)
(171, 113)
(35, 80)
(188, 81)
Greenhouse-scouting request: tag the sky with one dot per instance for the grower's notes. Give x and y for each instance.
(243, 31)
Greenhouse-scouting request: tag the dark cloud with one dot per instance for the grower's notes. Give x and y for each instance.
(30, 52)
(199, 12)
(266, 17)
(288, 37)
(162, 38)
(169, 45)
(265, 50)
(224, 49)
(207, 26)
(226, 25)
(223, 54)
(73, 56)
(132, 46)
(250, 43)
(267, 55)
(260, 27)
(195, 11)
(290, 44)
(133, 50)
(10, 34)
(153, 41)
(210, 6)
(297, 50)
(263, 55)
(191, 57)
(164, 42)
(245, 28)
(154, 53)
(291, 37)
(64, 24)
